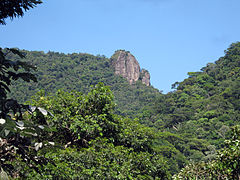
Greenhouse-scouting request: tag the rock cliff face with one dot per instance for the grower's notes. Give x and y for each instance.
(145, 77)
(126, 65)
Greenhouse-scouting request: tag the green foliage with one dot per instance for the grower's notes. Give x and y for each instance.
(92, 142)
(187, 125)
(15, 8)
(17, 135)
(81, 118)
(195, 119)
(103, 161)
(224, 166)
(79, 71)
(205, 102)
(8, 69)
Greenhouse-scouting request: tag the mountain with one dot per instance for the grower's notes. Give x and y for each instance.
(190, 123)
(79, 71)
(126, 65)
(206, 104)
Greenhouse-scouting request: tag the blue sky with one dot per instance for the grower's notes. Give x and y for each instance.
(168, 37)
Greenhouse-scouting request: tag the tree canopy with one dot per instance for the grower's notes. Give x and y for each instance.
(15, 8)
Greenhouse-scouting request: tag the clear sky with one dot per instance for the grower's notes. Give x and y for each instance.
(168, 37)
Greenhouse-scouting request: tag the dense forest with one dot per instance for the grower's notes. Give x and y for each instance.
(69, 116)
(79, 72)
(186, 125)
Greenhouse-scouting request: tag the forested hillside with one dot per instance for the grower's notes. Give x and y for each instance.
(79, 72)
(191, 122)
(207, 103)
(73, 126)
(203, 107)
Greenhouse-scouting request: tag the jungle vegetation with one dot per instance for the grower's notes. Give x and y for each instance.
(68, 116)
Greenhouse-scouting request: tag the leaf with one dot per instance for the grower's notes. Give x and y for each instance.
(38, 146)
(20, 123)
(32, 108)
(6, 132)
(43, 111)
(41, 127)
(234, 165)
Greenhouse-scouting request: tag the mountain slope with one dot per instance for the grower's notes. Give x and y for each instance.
(193, 121)
(79, 71)
(206, 104)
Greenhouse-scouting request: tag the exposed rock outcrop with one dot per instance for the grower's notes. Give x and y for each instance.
(126, 65)
(145, 77)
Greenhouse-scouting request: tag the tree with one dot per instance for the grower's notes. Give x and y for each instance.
(15, 8)
(8, 74)
(9, 68)
(224, 166)
(16, 135)
(97, 143)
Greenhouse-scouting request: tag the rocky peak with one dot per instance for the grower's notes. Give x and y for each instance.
(126, 65)
(145, 77)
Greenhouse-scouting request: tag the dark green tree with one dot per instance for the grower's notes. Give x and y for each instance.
(15, 8)
(16, 135)
(8, 74)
